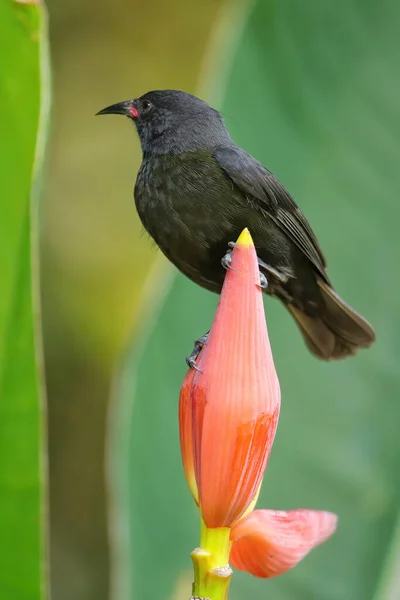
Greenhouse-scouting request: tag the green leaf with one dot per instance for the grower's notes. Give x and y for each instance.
(24, 103)
(313, 94)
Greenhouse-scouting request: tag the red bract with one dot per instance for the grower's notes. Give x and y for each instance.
(185, 433)
(267, 543)
(229, 411)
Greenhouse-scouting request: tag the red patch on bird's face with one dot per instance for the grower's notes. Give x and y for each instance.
(134, 112)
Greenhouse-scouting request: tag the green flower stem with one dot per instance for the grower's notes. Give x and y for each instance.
(212, 573)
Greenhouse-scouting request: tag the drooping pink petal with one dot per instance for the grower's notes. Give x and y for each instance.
(267, 543)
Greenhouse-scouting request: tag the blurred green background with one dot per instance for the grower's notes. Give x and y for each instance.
(94, 258)
(312, 89)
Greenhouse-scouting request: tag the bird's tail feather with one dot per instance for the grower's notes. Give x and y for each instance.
(338, 330)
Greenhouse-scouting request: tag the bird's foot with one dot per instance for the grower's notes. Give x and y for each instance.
(227, 259)
(279, 275)
(226, 263)
(263, 282)
(198, 345)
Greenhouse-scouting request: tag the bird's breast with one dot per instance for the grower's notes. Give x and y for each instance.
(185, 204)
(180, 198)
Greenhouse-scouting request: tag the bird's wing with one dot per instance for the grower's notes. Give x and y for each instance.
(268, 195)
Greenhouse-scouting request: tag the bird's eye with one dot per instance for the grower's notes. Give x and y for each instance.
(146, 105)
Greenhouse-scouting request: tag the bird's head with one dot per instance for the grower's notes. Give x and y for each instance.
(171, 121)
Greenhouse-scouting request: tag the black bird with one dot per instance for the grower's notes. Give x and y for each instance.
(196, 191)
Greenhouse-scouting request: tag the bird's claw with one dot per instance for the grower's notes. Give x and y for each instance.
(191, 361)
(281, 277)
(263, 285)
(193, 356)
(226, 260)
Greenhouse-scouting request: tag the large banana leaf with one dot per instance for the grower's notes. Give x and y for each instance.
(22, 474)
(314, 93)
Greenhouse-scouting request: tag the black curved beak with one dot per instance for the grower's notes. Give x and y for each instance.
(126, 108)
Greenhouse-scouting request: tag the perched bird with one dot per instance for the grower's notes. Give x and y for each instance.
(195, 192)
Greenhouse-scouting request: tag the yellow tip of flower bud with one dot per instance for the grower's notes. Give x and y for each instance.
(245, 238)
